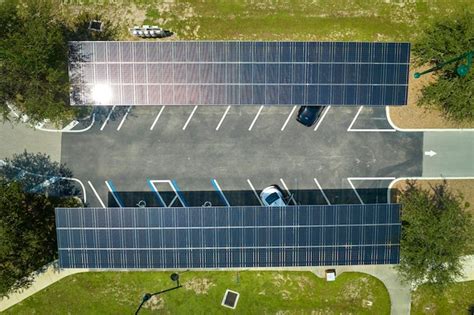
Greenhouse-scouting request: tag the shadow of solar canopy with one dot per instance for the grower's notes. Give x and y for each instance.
(228, 237)
(238, 73)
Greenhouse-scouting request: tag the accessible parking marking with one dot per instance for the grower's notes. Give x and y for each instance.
(113, 191)
(256, 117)
(289, 117)
(157, 117)
(365, 130)
(350, 179)
(288, 191)
(107, 119)
(223, 117)
(124, 118)
(96, 194)
(174, 187)
(219, 190)
(190, 116)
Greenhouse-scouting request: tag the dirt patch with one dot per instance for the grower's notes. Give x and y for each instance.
(464, 186)
(155, 303)
(199, 285)
(414, 116)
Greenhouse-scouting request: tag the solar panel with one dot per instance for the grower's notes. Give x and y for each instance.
(239, 73)
(222, 237)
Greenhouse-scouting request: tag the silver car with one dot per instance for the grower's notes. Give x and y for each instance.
(272, 196)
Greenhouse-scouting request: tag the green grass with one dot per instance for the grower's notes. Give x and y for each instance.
(260, 292)
(365, 20)
(455, 300)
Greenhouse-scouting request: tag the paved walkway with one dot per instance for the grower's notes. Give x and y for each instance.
(44, 278)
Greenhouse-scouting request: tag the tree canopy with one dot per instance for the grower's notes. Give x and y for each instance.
(27, 233)
(436, 232)
(441, 41)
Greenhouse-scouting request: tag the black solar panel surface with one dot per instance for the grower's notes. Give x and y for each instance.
(241, 73)
(220, 237)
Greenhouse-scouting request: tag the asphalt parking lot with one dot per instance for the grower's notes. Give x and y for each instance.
(189, 155)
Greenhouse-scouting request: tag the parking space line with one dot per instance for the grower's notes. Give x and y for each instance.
(256, 117)
(222, 119)
(177, 191)
(255, 192)
(322, 117)
(153, 187)
(365, 130)
(96, 194)
(107, 119)
(219, 190)
(288, 191)
(189, 118)
(157, 117)
(124, 118)
(114, 193)
(289, 117)
(350, 179)
(322, 191)
(172, 201)
(355, 118)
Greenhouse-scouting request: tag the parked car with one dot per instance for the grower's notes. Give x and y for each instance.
(272, 196)
(308, 115)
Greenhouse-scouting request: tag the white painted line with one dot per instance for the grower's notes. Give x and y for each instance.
(256, 117)
(107, 119)
(112, 192)
(322, 191)
(222, 119)
(170, 182)
(396, 180)
(355, 191)
(216, 184)
(157, 117)
(387, 110)
(124, 118)
(189, 118)
(365, 130)
(69, 130)
(96, 194)
(322, 117)
(289, 117)
(288, 191)
(172, 201)
(254, 191)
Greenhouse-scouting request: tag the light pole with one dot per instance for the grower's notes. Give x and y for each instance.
(147, 296)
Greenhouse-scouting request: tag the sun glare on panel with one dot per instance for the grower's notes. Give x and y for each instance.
(102, 94)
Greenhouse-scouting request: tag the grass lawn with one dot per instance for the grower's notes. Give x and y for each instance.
(457, 299)
(260, 292)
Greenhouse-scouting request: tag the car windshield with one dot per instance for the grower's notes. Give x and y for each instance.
(272, 198)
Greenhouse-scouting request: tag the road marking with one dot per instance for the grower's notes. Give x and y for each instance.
(173, 186)
(430, 153)
(219, 190)
(157, 117)
(322, 117)
(116, 197)
(222, 119)
(288, 119)
(177, 191)
(107, 119)
(153, 187)
(322, 191)
(172, 201)
(365, 130)
(189, 118)
(256, 117)
(255, 192)
(350, 179)
(96, 194)
(288, 191)
(124, 118)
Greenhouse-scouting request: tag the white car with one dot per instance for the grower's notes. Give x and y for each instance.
(272, 197)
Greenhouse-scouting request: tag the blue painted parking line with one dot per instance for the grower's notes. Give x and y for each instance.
(176, 189)
(219, 190)
(114, 193)
(152, 187)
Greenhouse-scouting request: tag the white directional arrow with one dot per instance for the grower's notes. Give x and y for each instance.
(431, 153)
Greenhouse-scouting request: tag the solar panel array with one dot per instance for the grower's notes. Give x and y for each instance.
(240, 73)
(220, 237)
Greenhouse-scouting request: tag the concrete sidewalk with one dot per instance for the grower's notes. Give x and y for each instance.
(44, 278)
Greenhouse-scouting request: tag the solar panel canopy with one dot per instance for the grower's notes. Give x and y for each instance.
(228, 237)
(238, 73)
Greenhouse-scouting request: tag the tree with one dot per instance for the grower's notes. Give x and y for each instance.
(27, 234)
(436, 232)
(442, 41)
